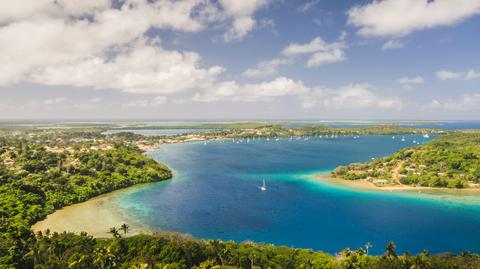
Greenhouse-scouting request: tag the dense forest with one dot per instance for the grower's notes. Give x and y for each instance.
(451, 161)
(41, 172)
(175, 251)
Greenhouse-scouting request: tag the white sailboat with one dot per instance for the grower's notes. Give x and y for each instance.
(264, 186)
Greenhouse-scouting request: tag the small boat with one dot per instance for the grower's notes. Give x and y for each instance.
(403, 139)
(264, 186)
(393, 137)
(426, 136)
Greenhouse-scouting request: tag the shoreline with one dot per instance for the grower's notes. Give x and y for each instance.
(363, 184)
(95, 216)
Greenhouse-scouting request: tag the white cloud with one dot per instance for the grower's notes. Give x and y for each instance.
(152, 102)
(402, 17)
(449, 75)
(472, 74)
(91, 44)
(95, 100)
(241, 13)
(266, 68)
(326, 57)
(352, 96)
(307, 6)
(349, 97)
(263, 92)
(393, 44)
(38, 9)
(464, 103)
(139, 68)
(321, 51)
(54, 101)
(410, 82)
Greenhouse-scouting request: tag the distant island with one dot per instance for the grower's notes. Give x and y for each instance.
(450, 161)
(219, 132)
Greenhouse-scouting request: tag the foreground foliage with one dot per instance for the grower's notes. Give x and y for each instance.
(451, 161)
(40, 173)
(179, 251)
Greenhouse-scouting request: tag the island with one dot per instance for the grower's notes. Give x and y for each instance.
(450, 161)
(45, 169)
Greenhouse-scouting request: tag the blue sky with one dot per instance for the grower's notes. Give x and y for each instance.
(227, 59)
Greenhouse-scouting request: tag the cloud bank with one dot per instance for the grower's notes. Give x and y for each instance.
(402, 17)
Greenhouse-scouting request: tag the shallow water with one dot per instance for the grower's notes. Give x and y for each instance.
(215, 194)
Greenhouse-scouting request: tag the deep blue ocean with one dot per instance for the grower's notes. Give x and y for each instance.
(215, 194)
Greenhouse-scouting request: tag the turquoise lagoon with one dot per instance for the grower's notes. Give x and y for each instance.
(215, 194)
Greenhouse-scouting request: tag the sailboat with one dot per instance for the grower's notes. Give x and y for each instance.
(264, 186)
(426, 135)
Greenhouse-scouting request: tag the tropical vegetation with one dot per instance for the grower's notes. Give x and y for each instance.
(450, 161)
(44, 171)
(178, 251)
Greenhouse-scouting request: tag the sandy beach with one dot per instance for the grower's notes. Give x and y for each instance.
(363, 184)
(95, 216)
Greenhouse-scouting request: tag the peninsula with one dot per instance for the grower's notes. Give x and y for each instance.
(450, 161)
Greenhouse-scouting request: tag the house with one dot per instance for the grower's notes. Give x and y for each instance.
(380, 181)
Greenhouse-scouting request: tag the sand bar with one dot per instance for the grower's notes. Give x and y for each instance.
(460, 195)
(95, 216)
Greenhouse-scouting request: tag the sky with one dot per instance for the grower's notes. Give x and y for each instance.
(231, 59)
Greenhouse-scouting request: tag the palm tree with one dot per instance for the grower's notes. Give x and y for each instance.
(104, 258)
(251, 257)
(114, 232)
(33, 255)
(307, 263)
(367, 246)
(78, 261)
(218, 249)
(390, 250)
(346, 252)
(124, 228)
